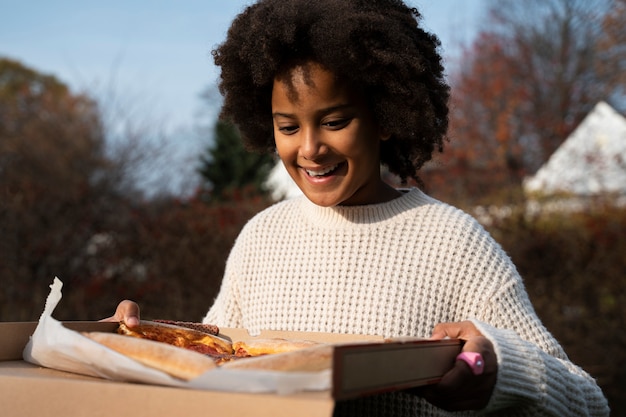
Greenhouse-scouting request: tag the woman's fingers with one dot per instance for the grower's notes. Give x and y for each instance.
(126, 311)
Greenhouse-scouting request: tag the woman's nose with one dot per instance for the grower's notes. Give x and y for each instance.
(311, 144)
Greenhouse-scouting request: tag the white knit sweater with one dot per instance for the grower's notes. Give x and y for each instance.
(397, 269)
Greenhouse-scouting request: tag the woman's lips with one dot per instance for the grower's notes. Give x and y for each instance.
(321, 172)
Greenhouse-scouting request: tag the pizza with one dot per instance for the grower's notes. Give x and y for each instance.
(258, 347)
(180, 363)
(186, 350)
(202, 327)
(184, 337)
(313, 358)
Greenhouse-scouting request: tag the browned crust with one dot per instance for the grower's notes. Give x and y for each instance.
(180, 363)
(201, 327)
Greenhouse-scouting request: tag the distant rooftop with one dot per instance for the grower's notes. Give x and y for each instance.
(592, 160)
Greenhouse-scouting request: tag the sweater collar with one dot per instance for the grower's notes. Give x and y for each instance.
(373, 214)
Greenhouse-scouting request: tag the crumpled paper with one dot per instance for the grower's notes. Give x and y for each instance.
(52, 345)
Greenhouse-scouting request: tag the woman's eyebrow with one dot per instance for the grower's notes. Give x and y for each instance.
(280, 114)
(337, 107)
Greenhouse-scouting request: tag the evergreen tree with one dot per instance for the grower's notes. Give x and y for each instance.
(227, 167)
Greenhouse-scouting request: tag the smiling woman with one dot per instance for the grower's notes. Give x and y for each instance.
(337, 88)
(327, 139)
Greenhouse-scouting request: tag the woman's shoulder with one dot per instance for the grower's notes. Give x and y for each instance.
(437, 208)
(444, 218)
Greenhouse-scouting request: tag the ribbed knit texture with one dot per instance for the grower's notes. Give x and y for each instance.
(397, 269)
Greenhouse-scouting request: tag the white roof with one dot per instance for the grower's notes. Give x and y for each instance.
(590, 161)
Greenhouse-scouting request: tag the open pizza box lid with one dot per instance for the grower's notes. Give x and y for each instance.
(362, 364)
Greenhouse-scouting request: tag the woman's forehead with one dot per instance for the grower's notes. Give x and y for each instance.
(305, 76)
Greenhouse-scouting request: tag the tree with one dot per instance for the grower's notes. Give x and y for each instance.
(556, 57)
(44, 130)
(227, 167)
(612, 49)
(56, 191)
(526, 83)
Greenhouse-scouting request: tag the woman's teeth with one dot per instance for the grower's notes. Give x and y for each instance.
(322, 172)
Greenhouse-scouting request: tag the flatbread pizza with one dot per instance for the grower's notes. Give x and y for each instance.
(308, 359)
(258, 347)
(187, 351)
(180, 363)
(184, 337)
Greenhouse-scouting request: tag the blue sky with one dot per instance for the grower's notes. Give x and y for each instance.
(154, 56)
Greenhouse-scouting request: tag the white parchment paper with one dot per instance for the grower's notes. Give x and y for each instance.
(52, 345)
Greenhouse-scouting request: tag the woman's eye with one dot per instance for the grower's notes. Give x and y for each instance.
(287, 129)
(337, 123)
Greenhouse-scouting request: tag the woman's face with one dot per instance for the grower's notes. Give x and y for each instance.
(327, 139)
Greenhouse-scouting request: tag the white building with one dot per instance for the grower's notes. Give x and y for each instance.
(591, 161)
(280, 183)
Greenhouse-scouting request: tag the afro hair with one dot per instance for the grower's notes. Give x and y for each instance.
(377, 45)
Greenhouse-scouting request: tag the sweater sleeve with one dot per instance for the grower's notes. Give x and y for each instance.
(534, 373)
(535, 376)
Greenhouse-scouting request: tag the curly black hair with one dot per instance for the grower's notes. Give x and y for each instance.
(375, 44)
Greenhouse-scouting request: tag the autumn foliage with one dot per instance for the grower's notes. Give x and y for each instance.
(170, 260)
(523, 85)
(55, 192)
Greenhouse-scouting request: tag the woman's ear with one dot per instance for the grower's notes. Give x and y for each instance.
(383, 133)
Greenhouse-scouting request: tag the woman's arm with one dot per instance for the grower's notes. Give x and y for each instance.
(533, 370)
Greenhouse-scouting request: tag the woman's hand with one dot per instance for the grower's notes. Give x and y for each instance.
(127, 311)
(459, 388)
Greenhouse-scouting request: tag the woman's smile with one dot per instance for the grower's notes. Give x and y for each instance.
(321, 172)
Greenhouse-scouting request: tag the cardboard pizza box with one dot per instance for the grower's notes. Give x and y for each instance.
(27, 390)
(362, 365)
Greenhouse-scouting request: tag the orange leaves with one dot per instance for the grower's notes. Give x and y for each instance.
(523, 86)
